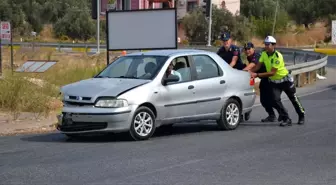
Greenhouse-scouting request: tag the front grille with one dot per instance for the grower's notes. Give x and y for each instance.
(81, 126)
(79, 103)
(76, 98)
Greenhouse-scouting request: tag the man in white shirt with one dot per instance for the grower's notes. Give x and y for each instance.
(170, 71)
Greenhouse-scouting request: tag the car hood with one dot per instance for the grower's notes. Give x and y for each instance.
(101, 87)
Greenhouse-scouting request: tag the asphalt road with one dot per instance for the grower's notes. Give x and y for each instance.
(255, 153)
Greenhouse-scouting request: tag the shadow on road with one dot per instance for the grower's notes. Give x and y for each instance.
(258, 124)
(122, 137)
(178, 129)
(333, 87)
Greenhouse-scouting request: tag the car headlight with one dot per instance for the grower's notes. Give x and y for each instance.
(111, 103)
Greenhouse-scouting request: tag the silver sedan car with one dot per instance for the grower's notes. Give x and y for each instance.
(140, 92)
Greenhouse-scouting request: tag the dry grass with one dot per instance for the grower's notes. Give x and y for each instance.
(39, 92)
(298, 36)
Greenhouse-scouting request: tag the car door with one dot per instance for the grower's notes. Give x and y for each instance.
(210, 84)
(178, 98)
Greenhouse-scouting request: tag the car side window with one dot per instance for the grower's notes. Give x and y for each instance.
(206, 67)
(180, 67)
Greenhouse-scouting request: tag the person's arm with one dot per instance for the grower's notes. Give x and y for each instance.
(267, 74)
(258, 64)
(235, 56)
(274, 69)
(249, 66)
(253, 62)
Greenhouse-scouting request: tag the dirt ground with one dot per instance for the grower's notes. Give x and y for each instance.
(26, 123)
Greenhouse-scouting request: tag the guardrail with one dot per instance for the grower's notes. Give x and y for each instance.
(304, 65)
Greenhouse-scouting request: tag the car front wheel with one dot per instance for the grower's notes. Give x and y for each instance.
(230, 115)
(143, 124)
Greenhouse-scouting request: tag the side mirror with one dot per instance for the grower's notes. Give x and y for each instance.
(171, 78)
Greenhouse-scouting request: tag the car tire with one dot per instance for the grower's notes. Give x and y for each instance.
(233, 108)
(247, 115)
(139, 123)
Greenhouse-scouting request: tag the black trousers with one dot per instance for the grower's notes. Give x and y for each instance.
(290, 90)
(266, 96)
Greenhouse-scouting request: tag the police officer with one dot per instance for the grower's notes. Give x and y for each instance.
(266, 98)
(280, 80)
(230, 53)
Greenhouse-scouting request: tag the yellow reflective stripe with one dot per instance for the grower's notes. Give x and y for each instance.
(299, 103)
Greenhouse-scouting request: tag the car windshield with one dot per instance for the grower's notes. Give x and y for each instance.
(136, 67)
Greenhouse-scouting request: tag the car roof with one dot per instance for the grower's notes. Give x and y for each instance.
(170, 52)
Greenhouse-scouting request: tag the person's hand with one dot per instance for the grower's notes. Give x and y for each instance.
(247, 70)
(253, 75)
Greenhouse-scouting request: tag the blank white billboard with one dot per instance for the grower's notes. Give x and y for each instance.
(141, 29)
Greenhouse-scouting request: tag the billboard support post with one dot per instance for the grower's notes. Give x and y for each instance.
(107, 43)
(210, 24)
(98, 25)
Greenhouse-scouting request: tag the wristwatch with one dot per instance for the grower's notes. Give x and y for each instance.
(258, 75)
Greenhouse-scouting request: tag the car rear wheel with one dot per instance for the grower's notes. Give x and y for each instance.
(230, 115)
(143, 124)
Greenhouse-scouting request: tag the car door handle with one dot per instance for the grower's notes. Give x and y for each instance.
(222, 82)
(190, 87)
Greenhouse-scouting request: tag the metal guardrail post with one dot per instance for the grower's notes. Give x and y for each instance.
(318, 57)
(294, 57)
(305, 57)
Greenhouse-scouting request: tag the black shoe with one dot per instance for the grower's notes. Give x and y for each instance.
(280, 118)
(268, 119)
(286, 122)
(301, 120)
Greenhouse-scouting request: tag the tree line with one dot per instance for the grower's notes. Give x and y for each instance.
(256, 19)
(72, 19)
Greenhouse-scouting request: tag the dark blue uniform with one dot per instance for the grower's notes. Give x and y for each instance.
(229, 54)
(255, 59)
(266, 94)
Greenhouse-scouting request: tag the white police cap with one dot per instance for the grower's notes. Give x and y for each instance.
(270, 39)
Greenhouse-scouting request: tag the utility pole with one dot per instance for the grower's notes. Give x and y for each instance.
(98, 25)
(275, 16)
(0, 54)
(210, 22)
